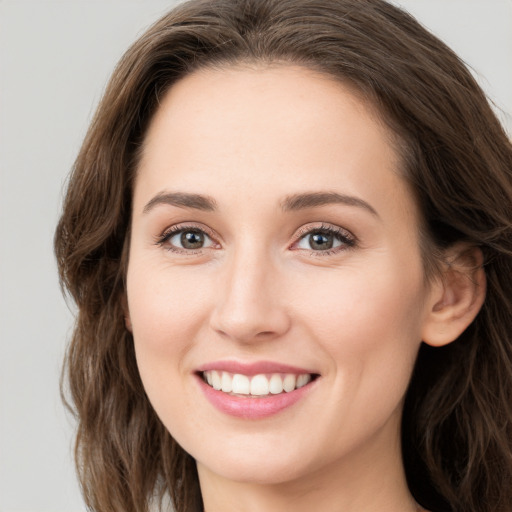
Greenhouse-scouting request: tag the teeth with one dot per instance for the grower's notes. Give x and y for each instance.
(276, 384)
(227, 383)
(289, 382)
(302, 380)
(216, 381)
(258, 385)
(241, 384)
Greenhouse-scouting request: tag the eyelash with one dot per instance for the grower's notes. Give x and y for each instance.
(348, 241)
(180, 228)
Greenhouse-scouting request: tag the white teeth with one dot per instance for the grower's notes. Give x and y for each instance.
(276, 384)
(302, 380)
(241, 384)
(216, 381)
(289, 382)
(227, 383)
(258, 385)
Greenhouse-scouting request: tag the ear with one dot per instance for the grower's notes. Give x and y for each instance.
(456, 296)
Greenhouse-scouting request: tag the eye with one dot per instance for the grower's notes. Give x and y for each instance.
(182, 239)
(324, 238)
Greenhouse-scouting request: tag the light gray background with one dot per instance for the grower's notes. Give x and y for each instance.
(55, 58)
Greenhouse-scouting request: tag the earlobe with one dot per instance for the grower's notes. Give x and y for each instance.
(456, 296)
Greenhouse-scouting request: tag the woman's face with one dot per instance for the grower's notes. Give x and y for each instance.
(274, 245)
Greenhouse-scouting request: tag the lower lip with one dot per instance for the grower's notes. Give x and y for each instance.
(252, 407)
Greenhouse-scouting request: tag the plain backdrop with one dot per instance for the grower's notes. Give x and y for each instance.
(55, 59)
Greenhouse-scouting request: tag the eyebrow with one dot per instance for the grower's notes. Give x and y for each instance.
(182, 200)
(290, 203)
(315, 199)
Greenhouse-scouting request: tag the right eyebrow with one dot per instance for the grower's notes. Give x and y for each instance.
(182, 200)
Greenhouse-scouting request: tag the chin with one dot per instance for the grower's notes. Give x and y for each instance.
(258, 463)
(250, 470)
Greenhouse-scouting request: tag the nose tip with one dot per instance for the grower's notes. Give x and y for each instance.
(251, 306)
(249, 323)
(248, 329)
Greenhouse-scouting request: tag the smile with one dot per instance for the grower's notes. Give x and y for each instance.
(257, 390)
(260, 385)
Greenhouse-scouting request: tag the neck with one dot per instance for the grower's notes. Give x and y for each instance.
(370, 479)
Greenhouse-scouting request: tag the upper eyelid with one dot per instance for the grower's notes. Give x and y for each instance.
(331, 228)
(177, 228)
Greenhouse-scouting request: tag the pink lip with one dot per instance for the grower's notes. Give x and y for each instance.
(255, 368)
(252, 407)
(249, 407)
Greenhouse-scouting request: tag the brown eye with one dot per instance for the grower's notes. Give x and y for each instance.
(321, 241)
(186, 239)
(192, 239)
(325, 240)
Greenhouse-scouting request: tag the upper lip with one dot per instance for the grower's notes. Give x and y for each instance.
(253, 368)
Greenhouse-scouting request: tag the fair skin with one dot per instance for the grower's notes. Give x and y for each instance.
(331, 285)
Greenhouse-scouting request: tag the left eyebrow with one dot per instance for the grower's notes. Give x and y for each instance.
(314, 199)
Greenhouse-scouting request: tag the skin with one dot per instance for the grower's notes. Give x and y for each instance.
(249, 138)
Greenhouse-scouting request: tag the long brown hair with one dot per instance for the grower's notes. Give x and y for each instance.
(457, 421)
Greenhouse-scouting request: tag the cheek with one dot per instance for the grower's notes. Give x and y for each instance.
(381, 299)
(167, 311)
(164, 304)
(367, 325)
(368, 322)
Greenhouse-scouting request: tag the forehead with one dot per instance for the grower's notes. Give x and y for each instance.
(245, 98)
(284, 126)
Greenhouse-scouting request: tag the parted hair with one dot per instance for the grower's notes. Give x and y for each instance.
(457, 419)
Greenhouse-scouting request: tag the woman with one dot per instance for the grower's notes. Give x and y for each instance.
(288, 234)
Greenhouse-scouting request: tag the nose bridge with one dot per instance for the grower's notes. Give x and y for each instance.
(250, 303)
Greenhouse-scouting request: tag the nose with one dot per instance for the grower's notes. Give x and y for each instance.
(251, 299)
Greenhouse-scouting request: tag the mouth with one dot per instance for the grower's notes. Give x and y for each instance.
(261, 385)
(254, 390)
